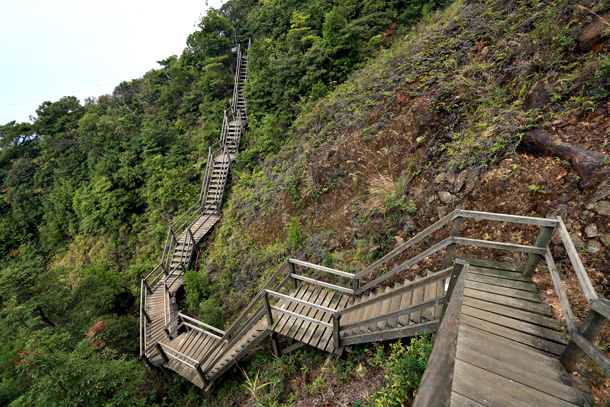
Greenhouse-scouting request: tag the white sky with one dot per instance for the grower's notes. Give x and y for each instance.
(55, 48)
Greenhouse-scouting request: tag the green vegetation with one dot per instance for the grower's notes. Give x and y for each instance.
(405, 368)
(329, 173)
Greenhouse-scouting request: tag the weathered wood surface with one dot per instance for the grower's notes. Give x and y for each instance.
(506, 350)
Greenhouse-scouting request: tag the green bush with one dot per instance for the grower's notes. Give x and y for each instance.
(404, 370)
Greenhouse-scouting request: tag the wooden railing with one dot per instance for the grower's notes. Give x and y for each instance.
(582, 337)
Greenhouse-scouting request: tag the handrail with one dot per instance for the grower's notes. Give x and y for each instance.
(302, 302)
(210, 327)
(322, 268)
(414, 240)
(430, 251)
(434, 302)
(324, 284)
(439, 275)
(599, 308)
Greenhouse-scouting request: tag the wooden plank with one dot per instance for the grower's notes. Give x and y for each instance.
(406, 287)
(512, 275)
(491, 389)
(458, 400)
(517, 325)
(309, 304)
(499, 217)
(305, 311)
(561, 292)
(489, 264)
(319, 333)
(530, 317)
(299, 317)
(499, 245)
(504, 291)
(535, 376)
(395, 306)
(296, 310)
(418, 297)
(503, 282)
(323, 284)
(326, 341)
(435, 386)
(376, 310)
(505, 349)
(429, 293)
(282, 319)
(509, 302)
(521, 337)
(396, 333)
(406, 301)
(307, 334)
(321, 268)
(411, 309)
(579, 268)
(349, 316)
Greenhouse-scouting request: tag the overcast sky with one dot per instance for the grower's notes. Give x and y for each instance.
(55, 48)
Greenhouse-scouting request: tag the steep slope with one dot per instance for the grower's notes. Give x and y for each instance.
(434, 121)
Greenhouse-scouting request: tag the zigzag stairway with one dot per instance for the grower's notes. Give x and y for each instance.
(496, 342)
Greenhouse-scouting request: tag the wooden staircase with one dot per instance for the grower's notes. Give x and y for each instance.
(496, 343)
(158, 308)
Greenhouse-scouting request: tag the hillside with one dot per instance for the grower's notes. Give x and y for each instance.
(368, 122)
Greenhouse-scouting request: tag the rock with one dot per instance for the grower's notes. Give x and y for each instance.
(558, 251)
(450, 177)
(605, 240)
(601, 207)
(594, 246)
(562, 199)
(459, 181)
(446, 197)
(538, 96)
(422, 115)
(399, 240)
(578, 242)
(591, 231)
(431, 199)
(603, 190)
(440, 177)
(592, 33)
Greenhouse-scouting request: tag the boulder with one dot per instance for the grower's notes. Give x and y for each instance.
(601, 207)
(538, 96)
(591, 231)
(593, 33)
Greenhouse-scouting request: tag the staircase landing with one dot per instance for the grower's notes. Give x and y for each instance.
(501, 346)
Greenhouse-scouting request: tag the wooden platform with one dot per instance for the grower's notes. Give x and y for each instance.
(506, 347)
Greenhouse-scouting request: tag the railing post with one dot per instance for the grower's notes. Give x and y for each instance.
(541, 241)
(458, 267)
(201, 375)
(146, 315)
(355, 284)
(455, 230)
(590, 328)
(265, 298)
(148, 287)
(161, 352)
(275, 346)
(336, 323)
(291, 270)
